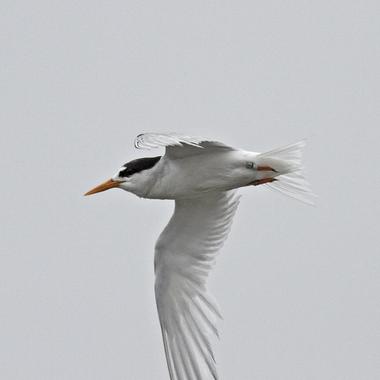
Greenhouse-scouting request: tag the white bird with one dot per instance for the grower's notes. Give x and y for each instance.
(201, 176)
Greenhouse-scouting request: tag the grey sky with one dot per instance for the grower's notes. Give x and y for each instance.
(298, 286)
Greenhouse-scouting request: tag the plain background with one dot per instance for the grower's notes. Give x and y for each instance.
(298, 286)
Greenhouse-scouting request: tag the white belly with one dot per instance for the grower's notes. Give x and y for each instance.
(192, 176)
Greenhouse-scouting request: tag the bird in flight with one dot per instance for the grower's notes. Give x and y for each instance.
(201, 176)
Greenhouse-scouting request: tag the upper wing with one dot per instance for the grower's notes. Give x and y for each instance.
(177, 145)
(185, 253)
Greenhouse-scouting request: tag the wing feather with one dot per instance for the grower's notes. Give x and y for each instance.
(178, 145)
(185, 253)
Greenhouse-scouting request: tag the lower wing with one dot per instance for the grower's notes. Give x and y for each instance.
(185, 253)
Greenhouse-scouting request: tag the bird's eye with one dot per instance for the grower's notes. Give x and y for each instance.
(137, 166)
(123, 172)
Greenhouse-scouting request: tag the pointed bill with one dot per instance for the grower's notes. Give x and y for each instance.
(103, 187)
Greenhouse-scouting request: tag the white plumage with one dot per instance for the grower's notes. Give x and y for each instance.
(185, 254)
(201, 176)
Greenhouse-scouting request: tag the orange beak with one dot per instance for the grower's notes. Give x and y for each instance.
(104, 186)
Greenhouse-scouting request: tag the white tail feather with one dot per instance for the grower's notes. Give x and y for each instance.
(291, 181)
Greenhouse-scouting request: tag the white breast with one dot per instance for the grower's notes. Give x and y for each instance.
(194, 175)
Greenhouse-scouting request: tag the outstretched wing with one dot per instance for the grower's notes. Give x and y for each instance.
(185, 253)
(177, 145)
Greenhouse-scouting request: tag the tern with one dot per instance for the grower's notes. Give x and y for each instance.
(201, 176)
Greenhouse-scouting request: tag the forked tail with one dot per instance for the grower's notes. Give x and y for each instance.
(287, 161)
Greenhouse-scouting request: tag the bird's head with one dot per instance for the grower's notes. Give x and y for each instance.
(132, 176)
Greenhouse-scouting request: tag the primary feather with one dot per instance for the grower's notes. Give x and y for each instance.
(185, 253)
